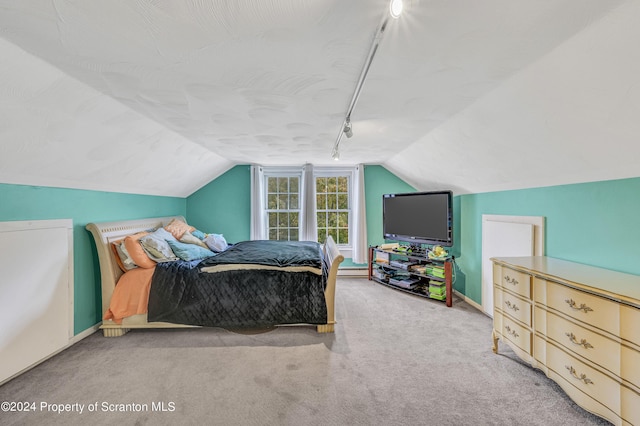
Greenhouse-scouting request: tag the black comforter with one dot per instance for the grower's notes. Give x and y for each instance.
(182, 293)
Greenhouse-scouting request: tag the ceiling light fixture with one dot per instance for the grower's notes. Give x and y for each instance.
(395, 8)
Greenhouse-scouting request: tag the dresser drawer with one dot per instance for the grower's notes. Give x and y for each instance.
(630, 324)
(593, 310)
(630, 365)
(630, 406)
(513, 306)
(515, 281)
(597, 385)
(515, 333)
(592, 346)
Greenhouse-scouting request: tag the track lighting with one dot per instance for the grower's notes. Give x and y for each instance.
(395, 9)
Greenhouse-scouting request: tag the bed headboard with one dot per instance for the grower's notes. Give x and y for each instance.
(106, 232)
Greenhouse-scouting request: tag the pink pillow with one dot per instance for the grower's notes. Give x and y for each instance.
(177, 228)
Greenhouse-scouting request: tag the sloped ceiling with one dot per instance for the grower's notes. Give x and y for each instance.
(161, 96)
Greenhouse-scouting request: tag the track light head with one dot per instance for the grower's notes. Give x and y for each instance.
(348, 132)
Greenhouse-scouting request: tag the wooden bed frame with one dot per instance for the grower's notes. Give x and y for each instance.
(106, 232)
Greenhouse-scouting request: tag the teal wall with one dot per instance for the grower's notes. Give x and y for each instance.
(224, 205)
(20, 202)
(595, 223)
(377, 182)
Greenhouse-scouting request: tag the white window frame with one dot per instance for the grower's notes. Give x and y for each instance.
(318, 171)
(271, 172)
(345, 249)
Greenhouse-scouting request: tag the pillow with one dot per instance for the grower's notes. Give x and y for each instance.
(189, 238)
(199, 234)
(164, 234)
(216, 242)
(189, 251)
(136, 252)
(123, 259)
(156, 246)
(178, 228)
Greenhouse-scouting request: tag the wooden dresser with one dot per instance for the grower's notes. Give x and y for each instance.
(577, 323)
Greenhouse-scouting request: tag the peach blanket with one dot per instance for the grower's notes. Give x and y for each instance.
(131, 295)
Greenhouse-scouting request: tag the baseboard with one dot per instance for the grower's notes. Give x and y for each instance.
(88, 332)
(353, 272)
(469, 301)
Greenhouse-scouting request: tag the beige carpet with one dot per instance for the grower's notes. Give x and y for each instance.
(395, 359)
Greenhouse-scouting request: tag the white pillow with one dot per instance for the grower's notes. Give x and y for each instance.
(216, 242)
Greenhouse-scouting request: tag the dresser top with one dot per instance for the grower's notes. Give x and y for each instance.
(616, 285)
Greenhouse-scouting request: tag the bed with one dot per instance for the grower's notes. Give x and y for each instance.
(163, 312)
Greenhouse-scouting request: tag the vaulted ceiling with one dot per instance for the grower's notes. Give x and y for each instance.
(162, 96)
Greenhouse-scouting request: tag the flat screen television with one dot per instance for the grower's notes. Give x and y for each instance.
(419, 217)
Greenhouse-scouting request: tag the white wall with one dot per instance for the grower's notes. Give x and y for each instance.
(570, 117)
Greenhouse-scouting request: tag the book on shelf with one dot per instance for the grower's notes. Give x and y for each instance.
(437, 271)
(438, 296)
(437, 291)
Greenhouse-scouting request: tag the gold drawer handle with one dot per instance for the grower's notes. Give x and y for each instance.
(511, 306)
(511, 280)
(511, 332)
(582, 342)
(582, 377)
(582, 307)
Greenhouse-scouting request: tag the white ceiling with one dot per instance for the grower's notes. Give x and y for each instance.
(162, 96)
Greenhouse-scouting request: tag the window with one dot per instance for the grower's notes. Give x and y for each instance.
(283, 206)
(290, 206)
(333, 208)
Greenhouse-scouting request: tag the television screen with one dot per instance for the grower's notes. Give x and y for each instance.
(419, 217)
